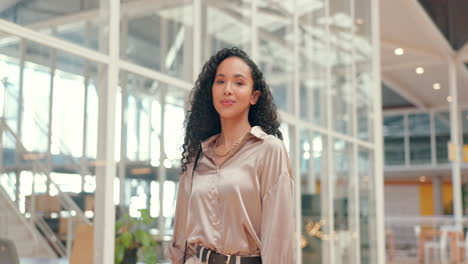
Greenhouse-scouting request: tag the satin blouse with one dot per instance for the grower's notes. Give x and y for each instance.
(244, 207)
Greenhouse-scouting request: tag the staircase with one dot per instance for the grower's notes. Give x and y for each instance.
(31, 234)
(14, 226)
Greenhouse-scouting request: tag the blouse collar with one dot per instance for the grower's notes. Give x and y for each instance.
(255, 131)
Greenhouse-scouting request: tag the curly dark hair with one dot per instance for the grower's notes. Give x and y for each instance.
(202, 120)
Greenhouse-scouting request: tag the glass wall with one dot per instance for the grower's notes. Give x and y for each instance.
(415, 138)
(317, 56)
(80, 22)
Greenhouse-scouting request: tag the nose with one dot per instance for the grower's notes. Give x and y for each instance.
(227, 88)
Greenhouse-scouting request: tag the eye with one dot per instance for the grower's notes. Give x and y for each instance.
(239, 83)
(220, 82)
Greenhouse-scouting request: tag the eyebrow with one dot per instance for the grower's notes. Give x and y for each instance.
(235, 75)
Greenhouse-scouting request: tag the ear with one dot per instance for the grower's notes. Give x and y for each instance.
(254, 97)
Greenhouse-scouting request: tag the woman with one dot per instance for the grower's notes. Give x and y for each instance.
(236, 205)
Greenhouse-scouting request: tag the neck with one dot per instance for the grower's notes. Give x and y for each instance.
(232, 130)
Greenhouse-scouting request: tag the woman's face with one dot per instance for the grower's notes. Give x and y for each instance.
(232, 90)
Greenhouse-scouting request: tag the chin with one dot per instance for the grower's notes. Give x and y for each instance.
(228, 115)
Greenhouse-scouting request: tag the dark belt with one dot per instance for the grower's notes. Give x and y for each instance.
(214, 257)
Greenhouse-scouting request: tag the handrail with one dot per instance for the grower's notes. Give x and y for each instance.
(23, 220)
(52, 237)
(65, 198)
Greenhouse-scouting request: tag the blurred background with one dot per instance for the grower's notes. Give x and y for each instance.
(372, 96)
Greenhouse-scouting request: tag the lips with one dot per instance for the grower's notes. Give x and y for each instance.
(227, 102)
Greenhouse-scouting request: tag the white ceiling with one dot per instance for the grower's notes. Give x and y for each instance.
(405, 24)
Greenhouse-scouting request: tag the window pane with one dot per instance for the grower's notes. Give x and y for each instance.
(275, 49)
(68, 105)
(58, 18)
(225, 25)
(36, 97)
(394, 142)
(367, 207)
(313, 63)
(442, 130)
(342, 201)
(341, 24)
(9, 82)
(159, 37)
(419, 139)
(312, 197)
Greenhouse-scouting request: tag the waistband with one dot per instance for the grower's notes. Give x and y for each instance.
(209, 256)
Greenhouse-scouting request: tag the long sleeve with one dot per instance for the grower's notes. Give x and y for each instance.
(176, 249)
(277, 190)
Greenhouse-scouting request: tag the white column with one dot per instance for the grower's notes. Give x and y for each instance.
(123, 120)
(53, 57)
(162, 173)
(378, 135)
(455, 140)
(353, 195)
(297, 134)
(83, 159)
(104, 222)
(327, 208)
(22, 47)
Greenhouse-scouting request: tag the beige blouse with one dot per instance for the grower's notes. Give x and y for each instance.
(244, 207)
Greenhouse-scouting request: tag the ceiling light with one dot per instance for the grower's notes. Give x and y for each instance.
(422, 179)
(359, 21)
(419, 70)
(449, 98)
(436, 86)
(399, 51)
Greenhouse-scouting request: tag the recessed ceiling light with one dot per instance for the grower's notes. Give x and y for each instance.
(399, 51)
(419, 70)
(436, 86)
(359, 21)
(449, 98)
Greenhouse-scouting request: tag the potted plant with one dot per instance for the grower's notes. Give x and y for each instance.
(132, 238)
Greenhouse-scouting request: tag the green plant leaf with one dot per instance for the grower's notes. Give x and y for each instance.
(118, 225)
(119, 253)
(143, 237)
(145, 215)
(149, 255)
(127, 239)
